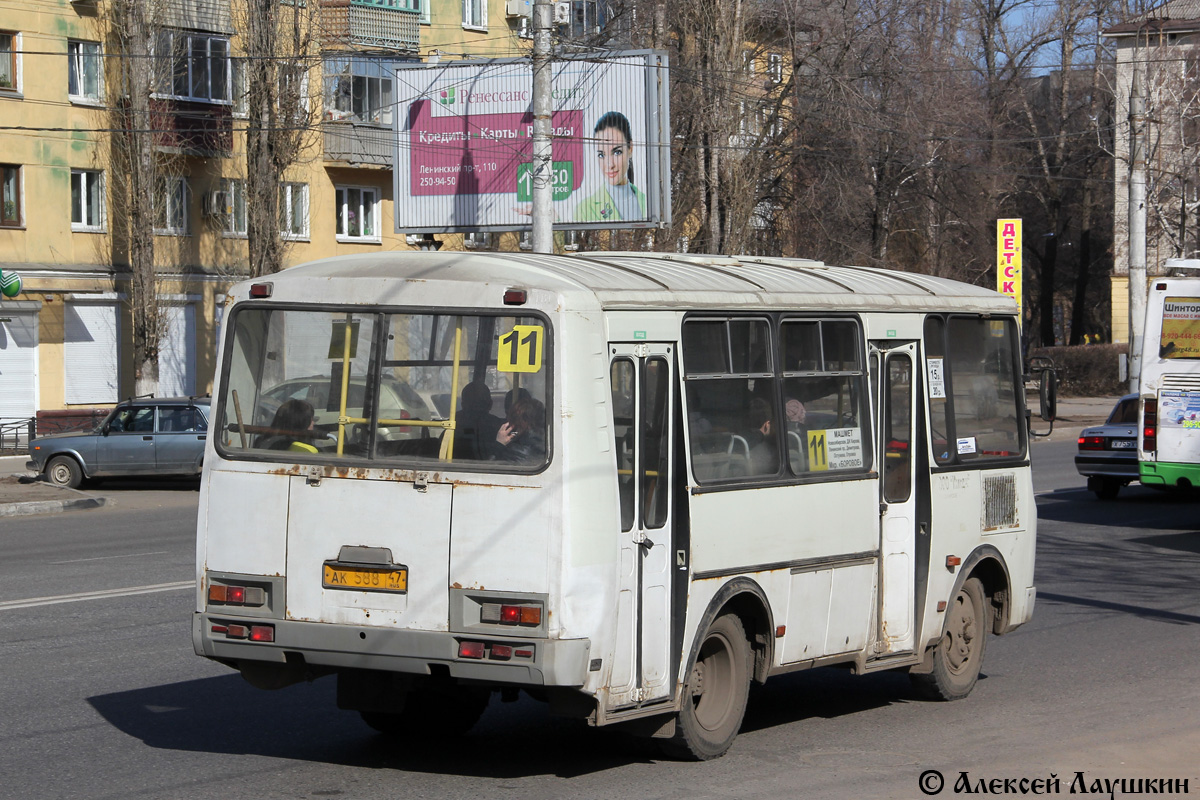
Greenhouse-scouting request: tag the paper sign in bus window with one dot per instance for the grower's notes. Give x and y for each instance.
(521, 349)
(835, 448)
(937, 379)
(966, 445)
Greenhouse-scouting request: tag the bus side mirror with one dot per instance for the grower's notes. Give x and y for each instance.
(1048, 394)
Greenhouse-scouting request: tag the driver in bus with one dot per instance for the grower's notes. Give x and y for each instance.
(292, 424)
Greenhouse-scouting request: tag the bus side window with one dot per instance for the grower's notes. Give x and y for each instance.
(621, 376)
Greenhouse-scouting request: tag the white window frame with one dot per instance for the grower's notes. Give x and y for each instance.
(341, 76)
(167, 62)
(292, 194)
(236, 189)
(775, 67)
(474, 15)
(83, 177)
(15, 61)
(342, 224)
(174, 194)
(76, 59)
(18, 200)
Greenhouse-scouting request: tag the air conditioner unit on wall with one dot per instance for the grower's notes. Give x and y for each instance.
(518, 8)
(216, 203)
(562, 13)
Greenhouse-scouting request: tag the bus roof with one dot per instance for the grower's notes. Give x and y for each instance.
(646, 280)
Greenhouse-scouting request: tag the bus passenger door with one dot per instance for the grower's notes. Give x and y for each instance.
(641, 382)
(894, 376)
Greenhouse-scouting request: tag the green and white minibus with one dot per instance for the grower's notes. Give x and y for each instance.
(630, 484)
(1169, 386)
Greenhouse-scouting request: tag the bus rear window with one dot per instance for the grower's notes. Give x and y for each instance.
(1180, 328)
(321, 384)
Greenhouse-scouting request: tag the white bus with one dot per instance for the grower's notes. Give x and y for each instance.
(1169, 386)
(664, 477)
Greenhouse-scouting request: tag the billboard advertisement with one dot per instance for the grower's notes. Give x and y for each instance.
(1008, 261)
(464, 144)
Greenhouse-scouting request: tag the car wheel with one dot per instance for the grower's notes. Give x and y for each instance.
(1107, 488)
(64, 471)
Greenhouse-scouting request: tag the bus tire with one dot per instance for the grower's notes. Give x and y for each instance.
(440, 712)
(958, 655)
(714, 694)
(64, 471)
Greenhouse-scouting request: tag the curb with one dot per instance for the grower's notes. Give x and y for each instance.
(49, 506)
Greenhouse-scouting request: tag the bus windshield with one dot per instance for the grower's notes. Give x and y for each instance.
(354, 384)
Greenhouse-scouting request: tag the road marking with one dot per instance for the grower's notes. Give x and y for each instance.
(108, 558)
(33, 602)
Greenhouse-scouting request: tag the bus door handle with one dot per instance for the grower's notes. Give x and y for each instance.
(643, 541)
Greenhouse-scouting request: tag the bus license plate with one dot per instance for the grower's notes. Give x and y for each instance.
(366, 579)
(1123, 444)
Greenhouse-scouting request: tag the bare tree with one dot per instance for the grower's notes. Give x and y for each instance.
(134, 177)
(277, 38)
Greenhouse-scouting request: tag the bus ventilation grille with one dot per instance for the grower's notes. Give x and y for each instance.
(999, 502)
(1181, 381)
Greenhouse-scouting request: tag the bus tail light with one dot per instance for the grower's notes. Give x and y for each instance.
(1091, 442)
(262, 633)
(261, 289)
(470, 650)
(227, 595)
(1150, 425)
(514, 297)
(510, 614)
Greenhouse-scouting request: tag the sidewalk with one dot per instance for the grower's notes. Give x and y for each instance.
(18, 498)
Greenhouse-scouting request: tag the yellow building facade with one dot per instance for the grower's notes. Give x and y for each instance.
(66, 338)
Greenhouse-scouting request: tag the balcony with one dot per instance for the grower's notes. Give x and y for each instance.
(371, 25)
(188, 128)
(358, 143)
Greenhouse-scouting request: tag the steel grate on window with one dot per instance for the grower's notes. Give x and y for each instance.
(999, 502)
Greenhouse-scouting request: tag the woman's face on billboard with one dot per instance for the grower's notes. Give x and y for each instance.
(612, 150)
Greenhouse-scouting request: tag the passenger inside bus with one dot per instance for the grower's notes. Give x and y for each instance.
(475, 427)
(292, 425)
(522, 437)
(764, 456)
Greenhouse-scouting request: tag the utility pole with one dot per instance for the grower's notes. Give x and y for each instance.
(543, 108)
(1137, 227)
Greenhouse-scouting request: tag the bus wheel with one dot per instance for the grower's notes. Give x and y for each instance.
(432, 712)
(715, 693)
(958, 657)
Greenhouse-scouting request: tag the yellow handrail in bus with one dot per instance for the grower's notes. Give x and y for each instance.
(447, 449)
(341, 439)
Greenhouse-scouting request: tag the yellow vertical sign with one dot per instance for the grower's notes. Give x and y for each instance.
(1008, 259)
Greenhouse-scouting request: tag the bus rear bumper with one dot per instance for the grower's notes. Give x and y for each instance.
(324, 647)
(1163, 473)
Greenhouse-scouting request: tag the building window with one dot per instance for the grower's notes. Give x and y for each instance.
(239, 87)
(293, 210)
(87, 200)
(171, 216)
(293, 93)
(775, 67)
(358, 90)
(748, 61)
(357, 213)
(582, 18)
(10, 195)
(475, 14)
(230, 204)
(199, 66)
(9, 62)
(83, 70)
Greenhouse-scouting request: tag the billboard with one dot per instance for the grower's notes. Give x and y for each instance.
(464, 144)
(1008, 261)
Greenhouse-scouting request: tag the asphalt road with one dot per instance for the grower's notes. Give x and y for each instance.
(103, 697)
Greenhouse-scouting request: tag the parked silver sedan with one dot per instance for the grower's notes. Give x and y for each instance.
(1108, 455)
(145, 436)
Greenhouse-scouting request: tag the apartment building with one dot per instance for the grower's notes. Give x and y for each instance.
(66, 339)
